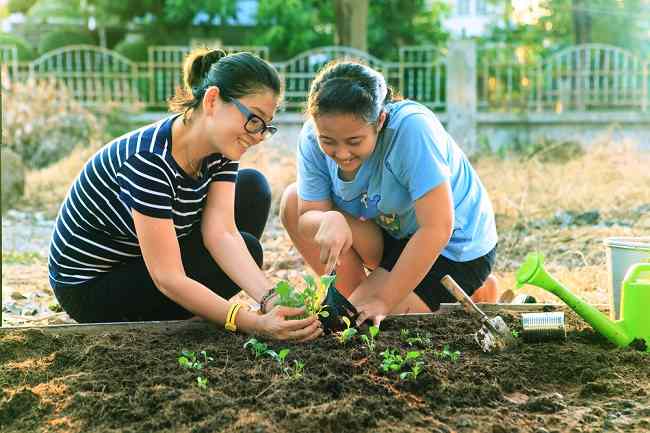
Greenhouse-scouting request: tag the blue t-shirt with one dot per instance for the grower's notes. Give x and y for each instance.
(413, 155)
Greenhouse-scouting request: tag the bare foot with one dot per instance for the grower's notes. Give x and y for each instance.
(487, 293)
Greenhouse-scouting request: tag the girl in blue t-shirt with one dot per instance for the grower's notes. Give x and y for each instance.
(383, 187)
(161, 224)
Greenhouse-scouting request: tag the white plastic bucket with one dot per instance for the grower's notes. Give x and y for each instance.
(622, 253)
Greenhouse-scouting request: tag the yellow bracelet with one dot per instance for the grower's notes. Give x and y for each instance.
(231, 324)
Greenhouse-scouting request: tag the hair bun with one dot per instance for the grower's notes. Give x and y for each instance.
(200, 61)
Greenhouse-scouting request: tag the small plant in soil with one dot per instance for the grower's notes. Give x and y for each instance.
(415, 338)
(394, 362)
(202, 382)
(256, 347)
(348, 333)
(311, 297)
(369, 339)
(413, 374)
(515, 333)
(446, 353)
(280, 357)
(297, 371)
(191, 360)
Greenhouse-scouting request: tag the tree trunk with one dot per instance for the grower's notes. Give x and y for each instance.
(581, 22)
(352, 23)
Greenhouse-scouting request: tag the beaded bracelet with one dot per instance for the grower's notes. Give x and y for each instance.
(266, 298)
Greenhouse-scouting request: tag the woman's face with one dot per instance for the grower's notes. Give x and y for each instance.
(347, 139)
(226, 122)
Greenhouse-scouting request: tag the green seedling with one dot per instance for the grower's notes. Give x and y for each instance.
(349, 332)
(394, 362)
(515, 333)
(190, 360)
(413, 374)
(369, 339)
(297, 371)
(256, 347)
(311, 298)
(280, 356)
(415, 339)
(202, 382)
(447, 354)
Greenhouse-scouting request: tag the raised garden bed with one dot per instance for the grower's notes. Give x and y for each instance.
(129, 379)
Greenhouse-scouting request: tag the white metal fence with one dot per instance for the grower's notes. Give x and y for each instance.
(591, 77)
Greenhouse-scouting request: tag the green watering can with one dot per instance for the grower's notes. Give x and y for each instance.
(634, 325)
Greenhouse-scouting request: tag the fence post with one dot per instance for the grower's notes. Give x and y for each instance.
(462, 94)
(644, 93)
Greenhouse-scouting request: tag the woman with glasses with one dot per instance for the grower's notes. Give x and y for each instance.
(386, 199)
(161, 224)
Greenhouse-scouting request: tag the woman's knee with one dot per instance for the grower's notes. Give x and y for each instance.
(252, 184)
(254, 248)
(289, 207)
(252, 201)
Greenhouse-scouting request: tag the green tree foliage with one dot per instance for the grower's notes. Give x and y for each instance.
(395, 23)
(25, 49)
(568, 22)
(135, 49)
(20, 6)
(289, 27)
(167, 21)
(61, 38)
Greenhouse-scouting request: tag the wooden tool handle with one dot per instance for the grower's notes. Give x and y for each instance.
(460, 295)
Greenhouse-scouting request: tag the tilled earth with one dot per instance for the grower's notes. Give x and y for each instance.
(129, 380)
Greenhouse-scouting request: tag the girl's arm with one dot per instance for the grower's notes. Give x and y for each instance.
(327, 227)
(435, 216)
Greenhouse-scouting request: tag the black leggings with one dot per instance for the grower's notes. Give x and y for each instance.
(127, 293)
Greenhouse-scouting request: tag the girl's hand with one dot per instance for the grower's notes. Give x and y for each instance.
(373, 309)
(274, 324)
(334, 237)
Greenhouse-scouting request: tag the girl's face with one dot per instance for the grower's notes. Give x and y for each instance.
(225, 121)
(347, 139)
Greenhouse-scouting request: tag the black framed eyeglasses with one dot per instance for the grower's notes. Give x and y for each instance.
(254, 123)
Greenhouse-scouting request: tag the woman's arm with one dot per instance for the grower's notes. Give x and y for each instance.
(162, 256)
(226, 245)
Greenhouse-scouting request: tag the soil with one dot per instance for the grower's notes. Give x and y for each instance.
(129, 380)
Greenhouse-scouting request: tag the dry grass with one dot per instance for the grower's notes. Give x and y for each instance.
(611, 178)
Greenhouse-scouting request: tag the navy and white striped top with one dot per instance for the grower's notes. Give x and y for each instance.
(94, 230)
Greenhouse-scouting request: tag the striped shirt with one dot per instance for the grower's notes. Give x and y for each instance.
(94, 230)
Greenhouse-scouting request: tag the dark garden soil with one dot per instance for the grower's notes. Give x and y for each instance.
(131, 381)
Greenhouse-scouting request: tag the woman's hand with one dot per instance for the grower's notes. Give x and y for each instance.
(334, 237)
(274, 324)
(373, 309)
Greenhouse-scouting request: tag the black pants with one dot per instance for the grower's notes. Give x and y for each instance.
(127, 292)
(469, 275)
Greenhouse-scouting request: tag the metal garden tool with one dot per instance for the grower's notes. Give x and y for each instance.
(494, 335)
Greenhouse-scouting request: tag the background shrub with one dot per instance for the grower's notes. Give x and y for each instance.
(61, 38)
(133, 48)
(43, 123)
(25, 49)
